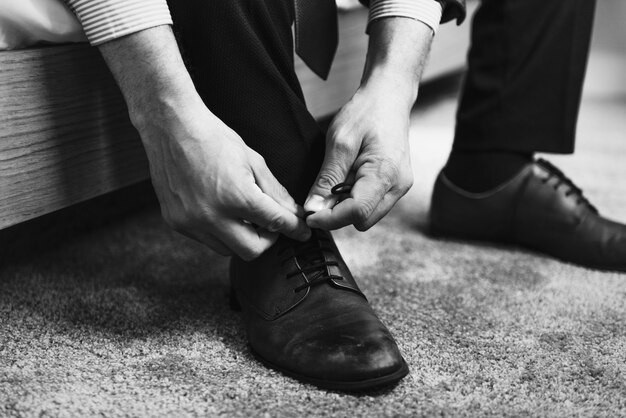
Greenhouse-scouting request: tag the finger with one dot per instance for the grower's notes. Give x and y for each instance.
(336, 166)
(366, 195)
(376, 197)
(245, 240)
(273, 217)
(383, 208)
(272, 187)
(341, 215)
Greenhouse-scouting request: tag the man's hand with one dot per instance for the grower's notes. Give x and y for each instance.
(214, 188)
(367, 142)
(367, 145)
(210, 185)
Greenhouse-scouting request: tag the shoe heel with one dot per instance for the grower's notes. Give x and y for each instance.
(233, 301)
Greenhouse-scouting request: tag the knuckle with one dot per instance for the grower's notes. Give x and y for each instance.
(362, 212)
(339, 136)
(341, 144)
(329, 178)
(259, 159)
(277, 223)
(282, 192)
(389, 170)
(406, 184)
(239, 200)
(390, 175)
(410, 180)
(246, 201)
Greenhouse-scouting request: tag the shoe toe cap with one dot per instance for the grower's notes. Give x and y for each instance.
(341, 354)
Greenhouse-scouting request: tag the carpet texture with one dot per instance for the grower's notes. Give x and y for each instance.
(133, 319)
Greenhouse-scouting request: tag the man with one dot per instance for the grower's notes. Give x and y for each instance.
(233, 153)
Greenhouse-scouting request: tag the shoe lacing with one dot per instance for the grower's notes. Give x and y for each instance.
(310, 258)
(555, 172)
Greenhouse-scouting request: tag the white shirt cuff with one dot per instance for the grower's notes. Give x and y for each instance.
(105, 20)
(426, 11)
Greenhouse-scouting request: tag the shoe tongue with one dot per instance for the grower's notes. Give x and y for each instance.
(574, 190)
(311, 258)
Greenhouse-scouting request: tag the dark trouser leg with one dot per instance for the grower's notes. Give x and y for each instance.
(522, 94)
(307, 326)
(526, 70)
(240, 55)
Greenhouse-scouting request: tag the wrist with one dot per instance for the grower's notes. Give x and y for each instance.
(397, 52)
(157, 106)
(157, 86)
(387, 82)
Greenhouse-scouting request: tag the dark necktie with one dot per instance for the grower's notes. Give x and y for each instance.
(316, 34)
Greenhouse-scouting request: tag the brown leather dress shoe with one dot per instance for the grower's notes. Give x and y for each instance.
(306, 317)
(539, 208)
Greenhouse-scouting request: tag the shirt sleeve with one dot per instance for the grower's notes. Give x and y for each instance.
(426, 11)
(105, 20)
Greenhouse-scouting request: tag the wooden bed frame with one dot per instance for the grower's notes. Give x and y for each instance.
(65, 135)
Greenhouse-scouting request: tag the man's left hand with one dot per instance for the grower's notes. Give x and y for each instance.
(367, 146)
(367, 142)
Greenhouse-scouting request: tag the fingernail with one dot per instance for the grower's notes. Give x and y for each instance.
(315, 203)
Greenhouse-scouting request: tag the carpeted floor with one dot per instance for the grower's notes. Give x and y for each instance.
(132, 319)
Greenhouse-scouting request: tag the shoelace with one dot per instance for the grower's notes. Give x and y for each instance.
(312, 253)
(310, 257)
(555, 172)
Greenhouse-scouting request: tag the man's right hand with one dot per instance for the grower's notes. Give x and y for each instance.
(214, 188)
(210, 185)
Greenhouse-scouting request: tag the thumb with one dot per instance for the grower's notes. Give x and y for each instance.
(273, 217)
(336, 167)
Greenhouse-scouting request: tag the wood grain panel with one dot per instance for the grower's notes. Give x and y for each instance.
(65, 133)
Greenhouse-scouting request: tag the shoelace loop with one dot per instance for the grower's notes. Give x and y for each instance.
(338, 189)
(319, 244)
(555, 172)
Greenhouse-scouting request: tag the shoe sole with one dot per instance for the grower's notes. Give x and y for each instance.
(345, 386)
(441, 234)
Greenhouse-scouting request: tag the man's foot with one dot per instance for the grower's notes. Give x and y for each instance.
(306, 317)
(539, 208)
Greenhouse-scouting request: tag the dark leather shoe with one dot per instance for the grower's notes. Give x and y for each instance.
(306, 317)
(539, 208)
